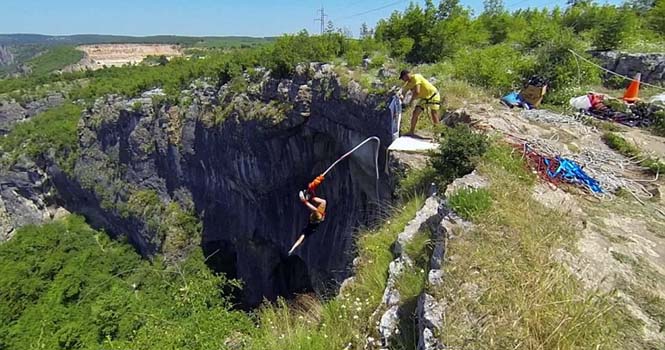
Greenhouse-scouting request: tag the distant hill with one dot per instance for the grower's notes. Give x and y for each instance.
(24, 54)
(206, 41)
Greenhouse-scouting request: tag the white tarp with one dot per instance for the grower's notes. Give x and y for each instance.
(412, 144)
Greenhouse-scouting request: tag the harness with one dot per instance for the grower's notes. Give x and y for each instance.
(428, 101)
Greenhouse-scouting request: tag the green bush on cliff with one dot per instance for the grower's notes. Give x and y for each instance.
(70, 287)
(176, 228)
(54, 130)
(459, 148)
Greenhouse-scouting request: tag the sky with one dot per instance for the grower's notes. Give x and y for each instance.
(204, 17)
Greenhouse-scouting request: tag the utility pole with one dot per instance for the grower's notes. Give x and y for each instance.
(322, 19)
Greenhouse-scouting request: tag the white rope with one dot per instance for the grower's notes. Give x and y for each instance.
(614, 73)
(376, 160)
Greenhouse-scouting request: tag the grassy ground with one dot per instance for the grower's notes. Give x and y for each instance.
(345, 322)
(504, 290)
(621, 145)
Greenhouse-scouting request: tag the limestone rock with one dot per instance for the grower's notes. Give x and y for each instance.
(240, 163)
(388, 326)
(435, 278)
(651, 65)
(430, 321)
(428, 211)
(470, 181)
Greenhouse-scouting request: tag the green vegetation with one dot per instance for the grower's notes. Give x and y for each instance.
(499, 49)
(334, 324)
(459, 146)
(176, 228)
(415, 181)
(470, 203)
(54, 59)
(659, 123)
(504, 290)
(65, 286)
(410, 284)
(621, 145)
(54, 129)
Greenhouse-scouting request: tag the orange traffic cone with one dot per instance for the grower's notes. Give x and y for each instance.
(633, 89)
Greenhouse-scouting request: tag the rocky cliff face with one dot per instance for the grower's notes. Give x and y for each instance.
(6, 56)
(12, 112)
(652, 65)
(237, 160)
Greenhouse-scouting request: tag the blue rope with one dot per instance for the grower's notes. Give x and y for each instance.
(571, 172)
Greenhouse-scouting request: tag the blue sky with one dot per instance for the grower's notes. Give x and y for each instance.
(202, 17)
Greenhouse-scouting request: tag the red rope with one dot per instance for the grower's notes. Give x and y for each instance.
(536, 161)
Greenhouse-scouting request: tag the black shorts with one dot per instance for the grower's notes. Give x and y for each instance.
(311, 228)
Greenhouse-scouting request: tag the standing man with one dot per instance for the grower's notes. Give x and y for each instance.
(425, 92)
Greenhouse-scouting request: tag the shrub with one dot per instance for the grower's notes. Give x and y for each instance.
(617, 26)
(459, 147)
(496, 67)
(68, 286)
(54, 129)
(564, 72)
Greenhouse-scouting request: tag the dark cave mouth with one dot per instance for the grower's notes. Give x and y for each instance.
(288, 278)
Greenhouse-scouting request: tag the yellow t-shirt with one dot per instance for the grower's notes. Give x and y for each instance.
(426, 88)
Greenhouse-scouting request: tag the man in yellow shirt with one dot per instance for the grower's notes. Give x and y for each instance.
(425, 92)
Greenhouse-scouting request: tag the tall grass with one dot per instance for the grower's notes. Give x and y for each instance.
(503, 289)
(344, 322)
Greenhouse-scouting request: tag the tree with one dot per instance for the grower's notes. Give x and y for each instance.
(641, 6)
(573, 3)
(365, 31)
(657, 17)
(447, 8)
(330, 27)
(493, 7)
(617, 26)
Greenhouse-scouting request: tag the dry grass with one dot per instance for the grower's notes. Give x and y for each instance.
(503, 289)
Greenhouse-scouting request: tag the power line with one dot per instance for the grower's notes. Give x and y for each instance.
(374, 9)
(322, 19)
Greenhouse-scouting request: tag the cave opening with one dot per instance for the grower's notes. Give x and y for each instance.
(221, 258)
(291, 277)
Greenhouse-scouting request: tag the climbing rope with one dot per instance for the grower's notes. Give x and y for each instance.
(376, 160)
(609, 71)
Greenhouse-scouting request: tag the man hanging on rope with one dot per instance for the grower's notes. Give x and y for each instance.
(318, 212)
(426, 93)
